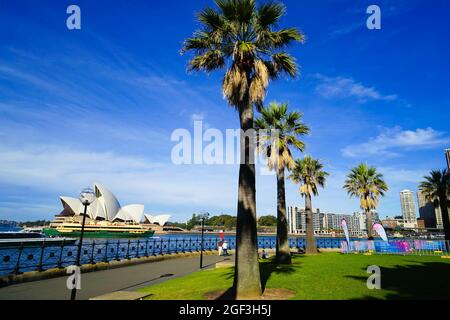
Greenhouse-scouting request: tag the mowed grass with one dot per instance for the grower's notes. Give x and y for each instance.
(326, 276)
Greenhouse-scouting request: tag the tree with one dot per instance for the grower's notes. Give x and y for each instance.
(436, 189)
(226, 221)
(309, 174)
(240, 36)
(267, 221)
(278, 132)
(368, 185)
(194, 221)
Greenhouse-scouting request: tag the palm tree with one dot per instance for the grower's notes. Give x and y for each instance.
(436, 189)
(243, 38)
(285, 129)
(309, 174)
(368, 185)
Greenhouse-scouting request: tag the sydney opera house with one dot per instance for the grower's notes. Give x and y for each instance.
(106, 207)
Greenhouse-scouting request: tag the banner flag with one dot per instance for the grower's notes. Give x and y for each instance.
(380, 230)
(345, 228)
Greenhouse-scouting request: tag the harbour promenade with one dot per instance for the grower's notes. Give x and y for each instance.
(98, 283)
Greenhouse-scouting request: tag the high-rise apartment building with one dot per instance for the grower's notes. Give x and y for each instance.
(408, 207)
(431, 215)
(325, 222)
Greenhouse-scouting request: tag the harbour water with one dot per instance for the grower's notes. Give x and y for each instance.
(9, 229)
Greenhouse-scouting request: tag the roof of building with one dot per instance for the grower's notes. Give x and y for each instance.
(105, 207)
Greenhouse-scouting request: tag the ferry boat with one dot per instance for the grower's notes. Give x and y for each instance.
(95, 229)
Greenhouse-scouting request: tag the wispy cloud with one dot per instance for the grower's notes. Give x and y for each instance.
(391, 140)
(342, 87)
(58, 170)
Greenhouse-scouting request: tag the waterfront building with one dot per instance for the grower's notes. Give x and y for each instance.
(325, 223)
(430, 214)
(391, 223)
(159, 223)
(408, 207)
(105, 218)
(105, 207)
(160, 220)
(420, 224)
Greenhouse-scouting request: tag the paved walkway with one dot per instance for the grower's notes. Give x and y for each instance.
(101, 282)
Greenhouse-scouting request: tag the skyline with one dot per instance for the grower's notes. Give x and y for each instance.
(100, 104)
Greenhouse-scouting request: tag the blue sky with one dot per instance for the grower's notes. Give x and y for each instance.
(100, 103)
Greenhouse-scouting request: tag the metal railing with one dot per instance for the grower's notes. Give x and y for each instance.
(417, 247)
(42, 255)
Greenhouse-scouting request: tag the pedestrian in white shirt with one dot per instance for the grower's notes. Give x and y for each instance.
(220, 247)
(225, 248)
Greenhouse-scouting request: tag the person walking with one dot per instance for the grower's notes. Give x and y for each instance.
(225, 248)
(220, 247)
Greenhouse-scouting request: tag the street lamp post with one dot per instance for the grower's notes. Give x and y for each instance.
(87, 196)
(203, 217)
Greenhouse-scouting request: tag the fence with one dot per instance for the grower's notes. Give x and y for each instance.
(403, 247)
(41, 255)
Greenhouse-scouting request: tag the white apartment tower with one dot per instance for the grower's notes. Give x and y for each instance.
(408, 206)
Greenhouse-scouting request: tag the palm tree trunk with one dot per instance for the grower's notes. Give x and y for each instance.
(369, 224)
(311, 247)
(443, 203)
(283, 253)
(247, 282)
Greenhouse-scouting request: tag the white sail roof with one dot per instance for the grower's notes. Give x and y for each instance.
(105, 207)
(160, 219)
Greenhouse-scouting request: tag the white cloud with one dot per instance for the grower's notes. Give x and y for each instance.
(159, 185)
(390, 140)
(341, 87)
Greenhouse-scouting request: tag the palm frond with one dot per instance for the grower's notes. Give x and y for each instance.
(284, 62)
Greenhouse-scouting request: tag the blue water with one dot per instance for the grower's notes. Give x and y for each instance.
(9, 229)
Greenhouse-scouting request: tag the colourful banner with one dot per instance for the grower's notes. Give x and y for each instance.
(380, 230)
(345, 228)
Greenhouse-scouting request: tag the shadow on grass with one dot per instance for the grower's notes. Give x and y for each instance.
(428, 280)
(267, 268)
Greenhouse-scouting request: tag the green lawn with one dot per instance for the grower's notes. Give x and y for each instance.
(327, 276)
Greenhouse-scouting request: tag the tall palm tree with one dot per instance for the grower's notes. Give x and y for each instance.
(279, 131)
(242, 38)
(309, 174)
(436, 189)
(368, 185)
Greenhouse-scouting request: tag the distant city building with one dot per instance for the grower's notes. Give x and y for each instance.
(432, 216)
(420, 224)
(325, 223)
(408, 207)
(390, 223)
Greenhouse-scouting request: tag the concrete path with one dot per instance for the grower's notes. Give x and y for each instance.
(101, 282)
